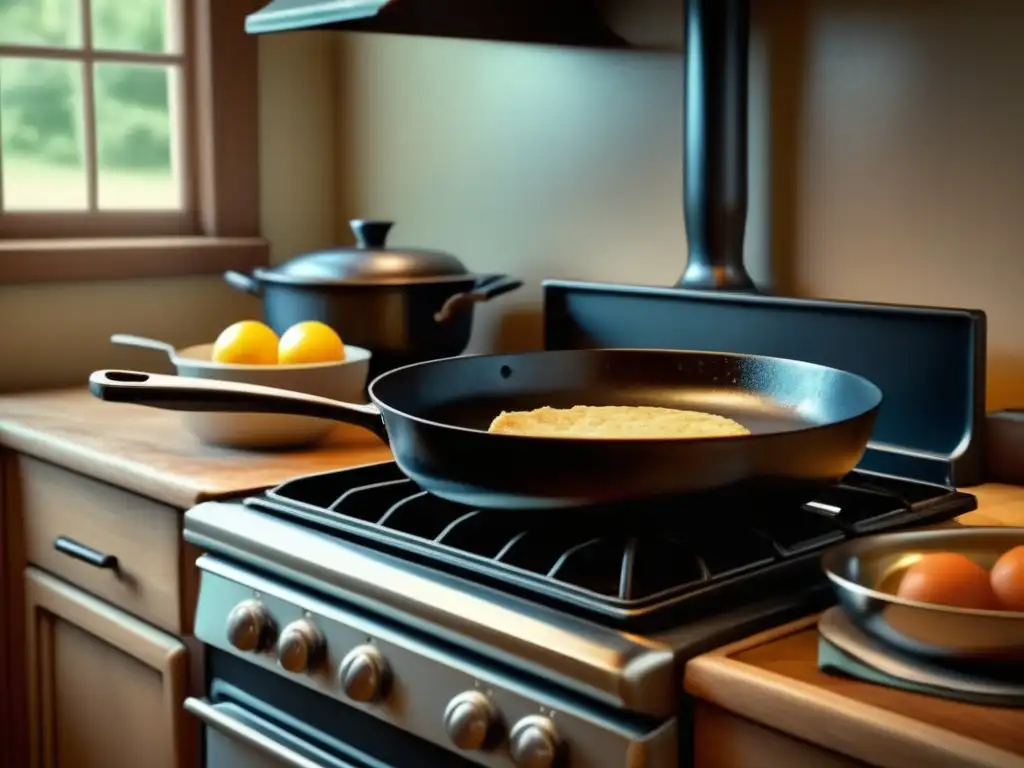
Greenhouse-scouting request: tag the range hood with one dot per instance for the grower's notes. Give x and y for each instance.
(716, 36)
(561, 22)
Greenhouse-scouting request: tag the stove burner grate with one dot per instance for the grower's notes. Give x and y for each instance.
(595, 564)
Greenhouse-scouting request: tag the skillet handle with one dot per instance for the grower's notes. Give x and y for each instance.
(181, 393)
(486, 288)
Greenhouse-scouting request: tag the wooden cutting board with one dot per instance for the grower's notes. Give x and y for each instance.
(148, 450)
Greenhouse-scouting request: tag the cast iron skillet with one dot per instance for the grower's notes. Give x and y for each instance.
(810, 424)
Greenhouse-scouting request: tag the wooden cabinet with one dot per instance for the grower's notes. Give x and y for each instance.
(728, 741)
(105, 689)
(10, 603)
(143, 535)
(99, 659)
(111, 480)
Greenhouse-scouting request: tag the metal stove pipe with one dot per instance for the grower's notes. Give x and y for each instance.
(715, 150)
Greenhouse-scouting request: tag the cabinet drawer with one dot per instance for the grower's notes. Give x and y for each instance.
(142, 534)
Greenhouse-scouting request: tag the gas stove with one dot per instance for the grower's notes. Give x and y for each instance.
(506, 639)
(351, 620)
(635, 567)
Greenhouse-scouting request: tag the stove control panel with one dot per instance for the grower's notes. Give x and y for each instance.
(250, 626)
(300, 647)
(489, 714)
(534, 742)
(363, 674)
(469, 721)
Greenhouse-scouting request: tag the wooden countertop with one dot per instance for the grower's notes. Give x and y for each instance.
(997, 505)
(773, 679)
(148, 451)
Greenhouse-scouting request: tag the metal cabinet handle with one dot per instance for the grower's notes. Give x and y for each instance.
(72, 548)
(214, 718)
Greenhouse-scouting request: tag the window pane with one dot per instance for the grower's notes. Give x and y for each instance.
(131, 25)
(42, 161)
(136, 137)
(55, 23)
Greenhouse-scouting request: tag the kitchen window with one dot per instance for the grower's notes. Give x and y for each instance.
(128, 139)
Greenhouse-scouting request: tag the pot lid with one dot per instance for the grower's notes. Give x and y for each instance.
(369, 261)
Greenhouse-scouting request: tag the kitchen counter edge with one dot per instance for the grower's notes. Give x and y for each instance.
(845, 723)
(148, 451)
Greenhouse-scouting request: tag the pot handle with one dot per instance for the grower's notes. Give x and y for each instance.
(244, 283)
(486, 288)
(130, 340)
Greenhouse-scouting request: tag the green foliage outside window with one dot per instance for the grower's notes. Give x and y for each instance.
(41, 99)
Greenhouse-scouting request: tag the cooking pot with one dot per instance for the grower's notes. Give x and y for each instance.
(405, 305)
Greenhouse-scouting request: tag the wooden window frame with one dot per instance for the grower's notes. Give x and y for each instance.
(220, 228)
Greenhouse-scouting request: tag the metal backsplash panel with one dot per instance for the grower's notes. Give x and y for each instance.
(929, 362)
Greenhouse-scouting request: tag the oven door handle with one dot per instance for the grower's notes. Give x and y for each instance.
(238, 731)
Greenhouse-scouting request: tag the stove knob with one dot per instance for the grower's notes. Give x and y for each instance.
(300, 646)
(250, 626)
(534, 742)
(468, 720)
(363, 674)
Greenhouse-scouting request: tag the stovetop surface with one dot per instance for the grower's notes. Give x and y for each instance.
(638, 567)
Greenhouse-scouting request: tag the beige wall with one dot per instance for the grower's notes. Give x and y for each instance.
(888, 164)
(891, 152)
(54, 335)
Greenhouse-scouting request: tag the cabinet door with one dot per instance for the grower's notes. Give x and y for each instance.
(8, 696)
(105, 689)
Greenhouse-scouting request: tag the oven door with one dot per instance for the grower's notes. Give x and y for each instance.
(255, 719)
(238, 738)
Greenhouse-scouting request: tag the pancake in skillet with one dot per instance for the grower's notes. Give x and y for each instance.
(620, 422)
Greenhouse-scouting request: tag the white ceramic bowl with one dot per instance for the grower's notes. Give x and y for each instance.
(345, 380)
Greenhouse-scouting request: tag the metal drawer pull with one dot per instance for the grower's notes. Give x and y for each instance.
(245, 734)
(72, 548)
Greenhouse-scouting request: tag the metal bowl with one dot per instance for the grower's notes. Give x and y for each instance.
(865, 574)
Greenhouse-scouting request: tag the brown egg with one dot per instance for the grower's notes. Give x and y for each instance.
(1007, 578)
(946, 578)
